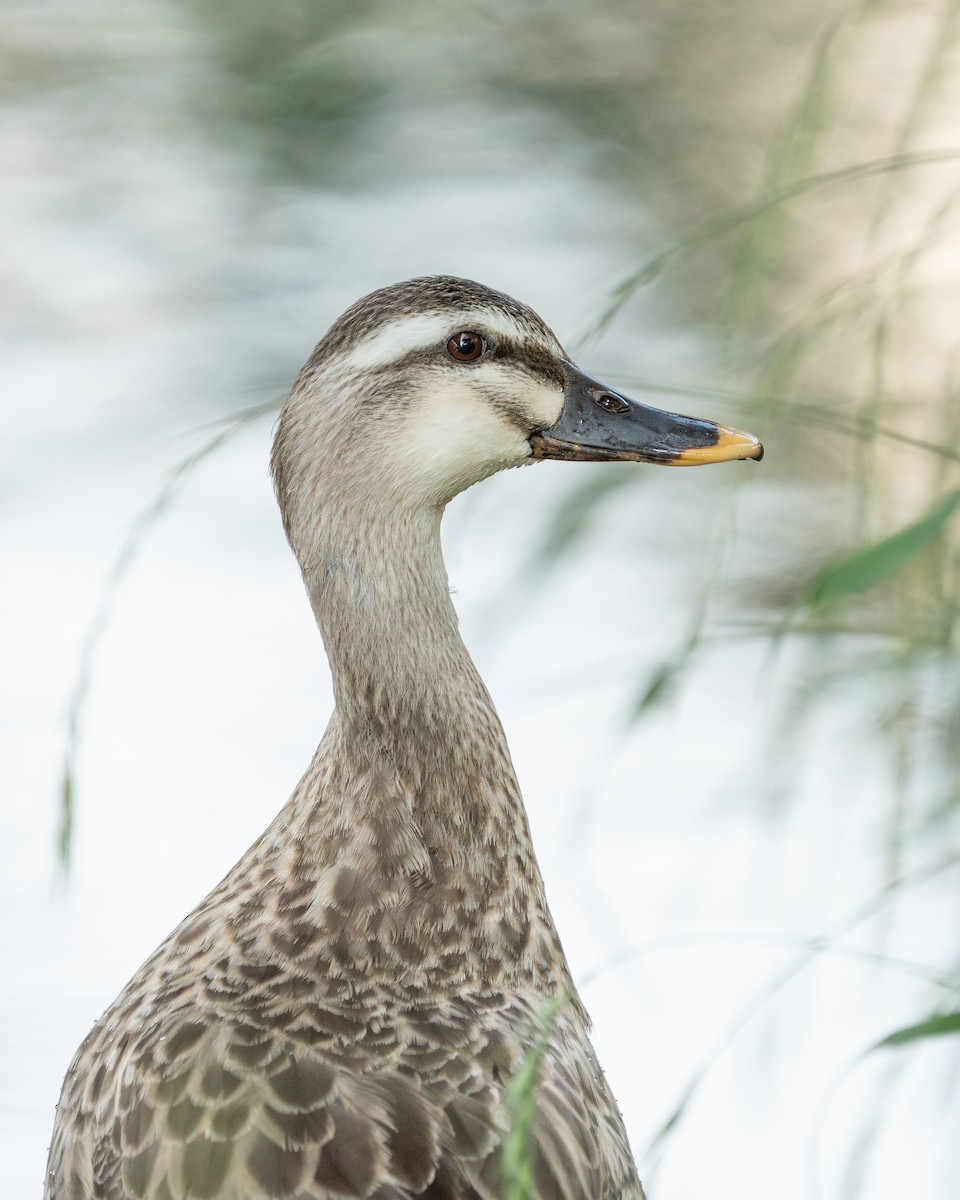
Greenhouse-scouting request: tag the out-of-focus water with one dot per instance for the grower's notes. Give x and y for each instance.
(185, 209)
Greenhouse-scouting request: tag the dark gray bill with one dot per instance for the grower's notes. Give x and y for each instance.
(600, 425)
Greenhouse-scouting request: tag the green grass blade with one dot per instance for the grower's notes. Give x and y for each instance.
(867, 567)
(938, 1026)
(520, 1102)
(716, 227)
(120, 568)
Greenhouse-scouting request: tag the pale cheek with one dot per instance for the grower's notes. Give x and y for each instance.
(452, 443)
(543, 404)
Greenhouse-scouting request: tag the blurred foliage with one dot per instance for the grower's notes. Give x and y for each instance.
(125, 558)
(837, 316)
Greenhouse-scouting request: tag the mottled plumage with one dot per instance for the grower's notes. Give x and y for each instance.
(341, 1015)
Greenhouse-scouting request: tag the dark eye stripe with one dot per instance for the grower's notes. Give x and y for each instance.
(534, 357)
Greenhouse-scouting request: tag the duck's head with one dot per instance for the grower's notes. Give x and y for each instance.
(423, 388)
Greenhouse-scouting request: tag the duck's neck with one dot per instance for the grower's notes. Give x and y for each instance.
(379, 591)
(413, 791)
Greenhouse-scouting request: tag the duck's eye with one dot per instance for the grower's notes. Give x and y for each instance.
(611, 403)
(466, 346)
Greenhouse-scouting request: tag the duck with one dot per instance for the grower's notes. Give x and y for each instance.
(343, 1015)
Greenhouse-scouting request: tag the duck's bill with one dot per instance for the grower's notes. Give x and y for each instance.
(600, 425)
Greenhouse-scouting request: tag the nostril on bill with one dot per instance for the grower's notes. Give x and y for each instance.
(611, 403)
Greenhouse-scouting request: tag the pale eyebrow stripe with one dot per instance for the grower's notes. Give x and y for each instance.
(407, 335)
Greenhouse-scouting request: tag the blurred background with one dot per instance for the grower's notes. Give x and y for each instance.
(732, 695)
